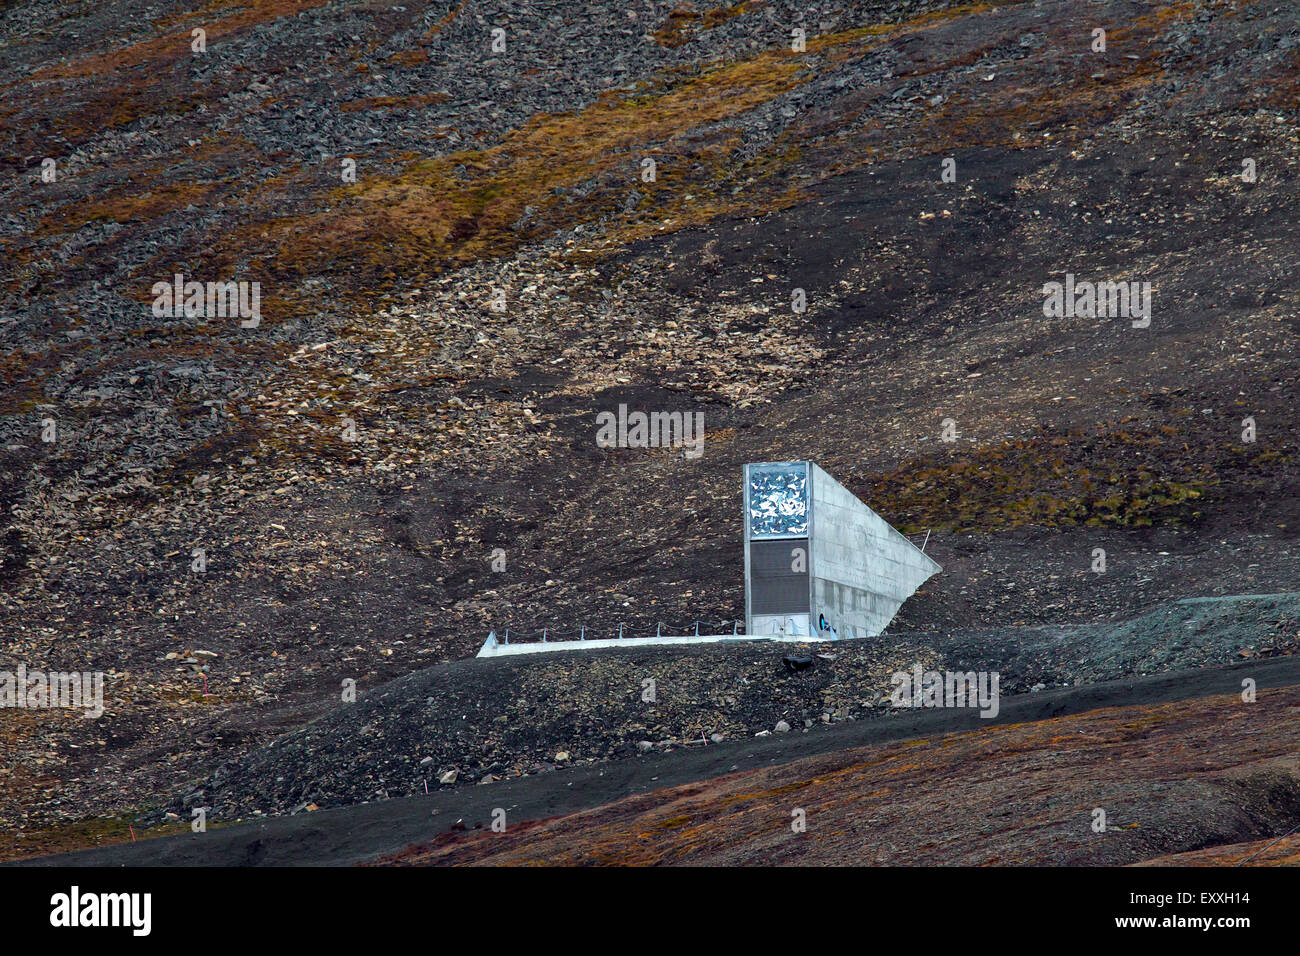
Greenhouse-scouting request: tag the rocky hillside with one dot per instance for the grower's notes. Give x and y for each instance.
(474, 226)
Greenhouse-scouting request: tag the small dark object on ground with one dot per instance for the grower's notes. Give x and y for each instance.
(794, 664)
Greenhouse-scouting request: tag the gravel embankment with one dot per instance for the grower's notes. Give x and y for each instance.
(480, 721)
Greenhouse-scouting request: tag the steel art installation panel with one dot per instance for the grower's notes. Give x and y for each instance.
(778, 501)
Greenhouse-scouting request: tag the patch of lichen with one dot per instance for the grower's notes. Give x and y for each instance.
(172, 43)
(1120, 478)
(685, 22)
(556, 171)
(86, 834)
(391, 102)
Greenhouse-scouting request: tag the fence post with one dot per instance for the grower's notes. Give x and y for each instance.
(734, 628)
(658, 628)
(697, 628)
(507, 635)
(582, 634)
(620, 630)
(543, 635)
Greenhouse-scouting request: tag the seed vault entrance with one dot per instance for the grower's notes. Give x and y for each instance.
(819, 562)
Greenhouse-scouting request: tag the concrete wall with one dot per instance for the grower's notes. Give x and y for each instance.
(785, 612)
(862, 569)
(790, 625)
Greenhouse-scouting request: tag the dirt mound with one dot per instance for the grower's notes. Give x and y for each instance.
(361, 832)
(485, 720)
(1118, 785)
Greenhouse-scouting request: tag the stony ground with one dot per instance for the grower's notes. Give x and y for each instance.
(1169, 779)
(1041, 723)
(520, 172)
(477, 722)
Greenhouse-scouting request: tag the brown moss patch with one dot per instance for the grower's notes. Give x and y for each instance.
(84, 835)
(118, 104)
(1282, 851)
(1125, 478)
(391, 102)
(445, 22)
(168, 48)
(22, 373)
(150, 205)
(1012, 116)
(409, 58)
(1283, 84)
(448, 211)
(684, 22)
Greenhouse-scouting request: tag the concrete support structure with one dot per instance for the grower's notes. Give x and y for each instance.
(819, 566)
(819, 562)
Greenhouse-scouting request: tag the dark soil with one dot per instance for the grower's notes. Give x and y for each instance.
(371, 560)
(506, 717)
(360, 833)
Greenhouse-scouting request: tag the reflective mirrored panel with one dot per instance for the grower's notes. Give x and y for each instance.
(778, 500)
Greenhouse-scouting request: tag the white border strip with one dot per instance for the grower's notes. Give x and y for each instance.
(494, 648)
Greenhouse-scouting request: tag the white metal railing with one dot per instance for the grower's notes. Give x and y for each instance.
(624, 632)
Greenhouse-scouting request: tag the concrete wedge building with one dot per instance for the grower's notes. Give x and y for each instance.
(819, 565)
(819, 562)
